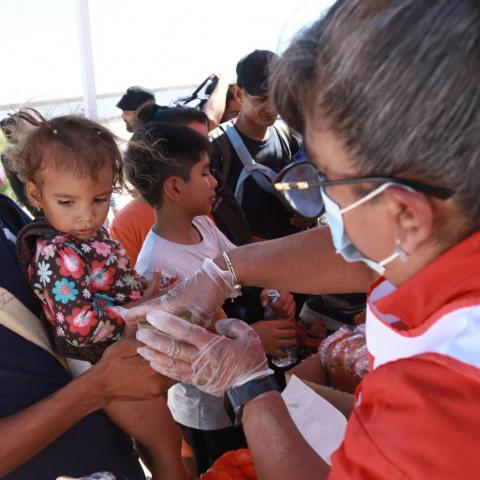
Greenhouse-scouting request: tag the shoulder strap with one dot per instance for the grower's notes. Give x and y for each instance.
(262, 174)
(284, 133)
(19, 319)
(219, 138)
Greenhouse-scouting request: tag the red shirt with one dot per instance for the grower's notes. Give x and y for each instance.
(416, 413)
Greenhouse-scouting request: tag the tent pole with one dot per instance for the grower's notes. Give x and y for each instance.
(86, 60)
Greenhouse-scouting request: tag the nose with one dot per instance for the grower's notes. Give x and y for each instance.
(270, 107)
(213, 182)
(86, 218)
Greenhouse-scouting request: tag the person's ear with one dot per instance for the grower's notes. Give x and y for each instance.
(238, 94)
(413, 213)
(34, 195)
(172, 188)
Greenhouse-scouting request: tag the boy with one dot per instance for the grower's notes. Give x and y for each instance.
(170, 167)
(267, 142)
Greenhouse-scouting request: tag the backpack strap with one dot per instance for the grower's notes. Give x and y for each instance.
(219, 138)
(284, 133)
(262, 174)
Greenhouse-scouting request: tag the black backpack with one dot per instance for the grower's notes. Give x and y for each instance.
(228, 215)
(262, 174)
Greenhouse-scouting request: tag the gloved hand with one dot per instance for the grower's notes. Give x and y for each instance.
(190, 354)
(198, 297)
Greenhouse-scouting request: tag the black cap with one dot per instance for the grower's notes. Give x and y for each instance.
(253, 70)
(134, 97)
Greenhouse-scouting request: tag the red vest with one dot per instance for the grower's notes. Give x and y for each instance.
(417, 412)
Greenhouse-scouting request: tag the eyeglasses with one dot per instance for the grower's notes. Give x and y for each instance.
(298, 185)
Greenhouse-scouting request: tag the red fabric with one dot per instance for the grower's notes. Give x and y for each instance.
(418, 418)
(451, 278)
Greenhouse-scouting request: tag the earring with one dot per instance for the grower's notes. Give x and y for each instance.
(401, 253)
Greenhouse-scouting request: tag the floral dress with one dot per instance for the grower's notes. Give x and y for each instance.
(77, 281)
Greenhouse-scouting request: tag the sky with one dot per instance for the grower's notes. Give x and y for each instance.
(153, 43)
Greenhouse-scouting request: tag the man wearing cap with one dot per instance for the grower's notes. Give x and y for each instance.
(267, 141)
(130, 103)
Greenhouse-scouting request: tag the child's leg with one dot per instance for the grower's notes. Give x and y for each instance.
(151, 425)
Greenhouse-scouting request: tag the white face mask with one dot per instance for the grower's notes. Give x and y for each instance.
(342, 243)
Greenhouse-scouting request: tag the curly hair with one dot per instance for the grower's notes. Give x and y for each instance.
(69, 142)
(159, 151)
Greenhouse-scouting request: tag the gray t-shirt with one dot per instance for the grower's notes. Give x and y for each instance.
(189, 406)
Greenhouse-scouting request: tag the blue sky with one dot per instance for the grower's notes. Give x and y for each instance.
(154, 43)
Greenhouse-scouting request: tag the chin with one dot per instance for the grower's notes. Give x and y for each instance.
(269, 122)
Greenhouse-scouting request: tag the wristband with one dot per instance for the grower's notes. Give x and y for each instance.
(236, 286)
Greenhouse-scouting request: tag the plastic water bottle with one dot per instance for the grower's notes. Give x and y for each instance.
(269, 314)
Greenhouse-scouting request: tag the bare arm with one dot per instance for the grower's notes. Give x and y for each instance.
(305, 262)
(215, 105)
(121, 374)
(292, 456)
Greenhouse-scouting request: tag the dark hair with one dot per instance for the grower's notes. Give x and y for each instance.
(159, 151)
(178, 115)
(8, 125)
(399, 83)
(230, 96)
(68, 142)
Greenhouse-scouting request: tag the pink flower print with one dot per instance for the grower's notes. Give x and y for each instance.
(135, 295)
(60, 317)
(122, 263)
(101, 277)
(103, 331)
(60, 239)
(70, 263)
(82, 320)
(102, 248)
(59, 332)
(40, 246)
(48, 251)
(113, 315)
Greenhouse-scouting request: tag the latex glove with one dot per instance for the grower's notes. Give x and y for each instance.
(190, 354)
(284, 307)
(198, 297)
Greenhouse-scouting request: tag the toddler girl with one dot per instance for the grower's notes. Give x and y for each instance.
(70, 165)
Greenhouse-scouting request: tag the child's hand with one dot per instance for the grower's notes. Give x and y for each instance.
(155, 288)
(284, 307)
(275, 334)
(158, 285)
(312, 337)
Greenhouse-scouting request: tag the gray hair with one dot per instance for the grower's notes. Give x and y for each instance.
(399, 82)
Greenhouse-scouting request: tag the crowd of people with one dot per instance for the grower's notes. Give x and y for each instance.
(347, 164)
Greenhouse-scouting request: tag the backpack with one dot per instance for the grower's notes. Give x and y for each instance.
(228, 215)
(200, 95)
(227, 137)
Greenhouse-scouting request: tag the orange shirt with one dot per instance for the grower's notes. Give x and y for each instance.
(131, 225)
(416, 413)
